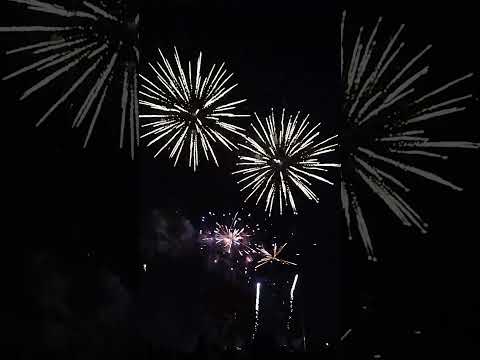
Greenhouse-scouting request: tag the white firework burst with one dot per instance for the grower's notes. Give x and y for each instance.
(96, 44)
(384, 130)
(281, 157)
(189, 109)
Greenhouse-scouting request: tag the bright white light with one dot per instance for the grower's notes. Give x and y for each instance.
(257, 302)
(145, 267)
(293, 286)
(257, 299)
(190, 114)
(282, 155)
(291, 300)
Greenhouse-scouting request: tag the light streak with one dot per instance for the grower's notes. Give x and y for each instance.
(385, 114)
(93, 49)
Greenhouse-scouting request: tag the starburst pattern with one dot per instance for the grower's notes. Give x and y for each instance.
(384, 131)
(189, 109)
(96, 46)
(281, 157)
(232, 234)
(270, 257)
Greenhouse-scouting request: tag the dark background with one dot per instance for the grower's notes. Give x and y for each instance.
(69, 205)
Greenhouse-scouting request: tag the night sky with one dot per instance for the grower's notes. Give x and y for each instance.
(80, 217)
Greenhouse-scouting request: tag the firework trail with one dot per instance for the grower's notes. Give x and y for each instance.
(345, 335)
(188, 109)
(257, 309)
(384, 129)
(283, 157)
(268, 257)
(292, 290)
(95, 44)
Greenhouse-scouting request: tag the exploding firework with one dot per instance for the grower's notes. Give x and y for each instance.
(189, 110)
(95, 44)
(383, 133)
(268, 257)
(282, 157)
(228, 236)
(232, 234)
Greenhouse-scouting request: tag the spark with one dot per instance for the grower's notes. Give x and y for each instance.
(188, 109)
(145, 267)
(97, 49)
(257, 298)
(257, 309)
(281, 157)
(385, 114)
(272, 257)
(292, 289)
(293, 286)
(344, 336)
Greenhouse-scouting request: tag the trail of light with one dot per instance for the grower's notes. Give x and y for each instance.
(293, 286)
(257, 309)
(344, 336)
(292, 289)
(91, 29)
(383, 110)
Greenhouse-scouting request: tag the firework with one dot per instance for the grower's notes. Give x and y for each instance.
(345, 335)
(292, 290)
(188, 110)
(283, 157)
(232, 234)
(257, 309)
(268, 257)
(384, 126)
(97, 47)
(228, 236)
